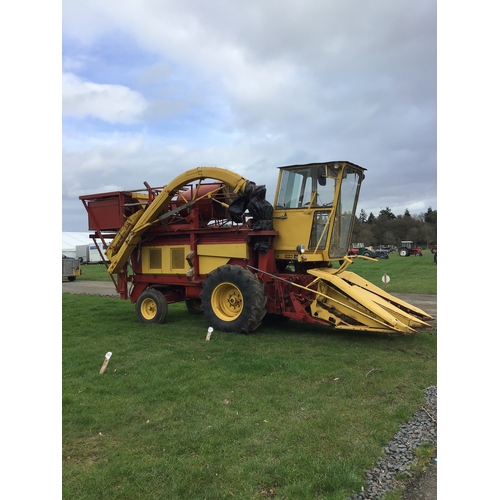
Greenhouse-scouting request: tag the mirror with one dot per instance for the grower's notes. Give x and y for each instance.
(321, 175)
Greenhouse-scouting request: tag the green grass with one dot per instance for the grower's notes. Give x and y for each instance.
(94, 272)
(407, 274)
(292, 411)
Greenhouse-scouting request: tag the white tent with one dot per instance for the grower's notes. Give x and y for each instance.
(71, 239)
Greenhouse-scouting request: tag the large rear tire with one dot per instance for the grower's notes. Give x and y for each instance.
(404, 252)
(151, 307)
(233, 300)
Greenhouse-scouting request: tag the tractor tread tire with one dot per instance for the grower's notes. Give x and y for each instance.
(251, 290)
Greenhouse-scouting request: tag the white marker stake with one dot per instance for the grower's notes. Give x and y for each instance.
(209, 333)
(385, 279)
(105, 364)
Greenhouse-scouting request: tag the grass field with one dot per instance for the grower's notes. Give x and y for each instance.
(407, 274)
(291, 411)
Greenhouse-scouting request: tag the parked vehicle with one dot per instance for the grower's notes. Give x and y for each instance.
(356, 249)
(406, 249)
(389, 248)
(70, 268)
(209, 238)
(360, 249)
(375, 253)
(91, 254)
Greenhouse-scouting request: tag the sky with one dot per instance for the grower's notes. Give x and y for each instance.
(153, 88)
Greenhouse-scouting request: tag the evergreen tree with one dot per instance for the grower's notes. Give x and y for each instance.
(430, 216)
(371, 218)
(362, 216)
(386, 214)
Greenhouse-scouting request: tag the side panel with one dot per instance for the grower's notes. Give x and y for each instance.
(212, 256)
(208, 264)
(164, 259)
(294, 229)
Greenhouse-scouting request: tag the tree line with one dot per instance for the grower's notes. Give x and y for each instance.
(390, 229)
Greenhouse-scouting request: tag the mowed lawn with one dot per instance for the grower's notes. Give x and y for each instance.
(291, 411)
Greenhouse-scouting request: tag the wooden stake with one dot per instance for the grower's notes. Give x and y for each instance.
(209, 333)
(105, 363)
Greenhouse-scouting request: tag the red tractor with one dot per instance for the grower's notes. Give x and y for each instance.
(406, 249)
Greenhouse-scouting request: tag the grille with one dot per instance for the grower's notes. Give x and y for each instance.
(155, 258)
(177, 258)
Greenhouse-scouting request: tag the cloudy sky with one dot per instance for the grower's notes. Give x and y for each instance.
(153, 88)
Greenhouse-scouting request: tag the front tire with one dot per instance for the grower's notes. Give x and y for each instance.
(233, 299)
(151, 307)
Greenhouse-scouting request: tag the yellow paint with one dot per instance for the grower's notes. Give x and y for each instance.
(208, 264)
(236, 250)
(212, 256)
(227, 301)
(150, 259)
(295, 229)
(122, 234)
(365, 305)
(309, 257)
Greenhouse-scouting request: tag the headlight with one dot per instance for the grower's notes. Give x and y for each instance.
(301, 248)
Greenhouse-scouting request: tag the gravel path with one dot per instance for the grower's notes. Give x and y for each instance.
(420, 429)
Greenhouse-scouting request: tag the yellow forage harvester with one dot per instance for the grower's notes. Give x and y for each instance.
(210, 239)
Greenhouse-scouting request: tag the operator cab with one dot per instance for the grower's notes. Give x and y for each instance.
(306, 186)
(313, 196)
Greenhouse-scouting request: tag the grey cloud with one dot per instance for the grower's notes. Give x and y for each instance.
(282, 83)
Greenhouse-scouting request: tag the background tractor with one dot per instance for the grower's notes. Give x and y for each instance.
(210, 239)
(375, 253)
(406, 249)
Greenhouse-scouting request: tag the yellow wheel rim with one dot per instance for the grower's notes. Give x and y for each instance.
(227, 301)
(149, 309)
